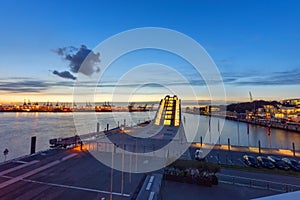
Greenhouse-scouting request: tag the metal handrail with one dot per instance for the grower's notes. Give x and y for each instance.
(257, 183)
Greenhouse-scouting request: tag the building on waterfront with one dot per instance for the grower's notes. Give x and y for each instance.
(291, 102)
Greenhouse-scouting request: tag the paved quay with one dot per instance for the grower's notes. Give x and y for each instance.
(64, 174)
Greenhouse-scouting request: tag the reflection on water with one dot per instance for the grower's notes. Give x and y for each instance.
(16, 130)
(237, 132)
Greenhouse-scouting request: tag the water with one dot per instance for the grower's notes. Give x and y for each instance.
(16, 130)
(237, 132)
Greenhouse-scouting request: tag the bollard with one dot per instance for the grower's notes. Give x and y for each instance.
(107, 127)
(294, 152)
(33, 144)
(201, 140)
(228, 144)
(98, 126)
(118, 124)
(5, 152)
(259, 146)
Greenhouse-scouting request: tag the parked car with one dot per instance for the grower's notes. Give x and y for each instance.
(292, 163)
(199, 155)
(265, 162)
(278, 163)
(250, 160)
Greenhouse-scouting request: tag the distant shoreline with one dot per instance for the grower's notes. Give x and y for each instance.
(70, 111)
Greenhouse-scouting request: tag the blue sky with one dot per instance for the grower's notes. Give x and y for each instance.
(255, 44)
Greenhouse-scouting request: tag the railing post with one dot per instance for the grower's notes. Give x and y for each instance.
(33, 144)
(98, 126)
(201, 140)
(294, 152)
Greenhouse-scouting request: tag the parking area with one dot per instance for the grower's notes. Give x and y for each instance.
(236, 158)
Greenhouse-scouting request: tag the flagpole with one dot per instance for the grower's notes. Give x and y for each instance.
(123, 151)
(219, 133)
(209, 128)
(248, 127)
(112, 171)
(238, 132)
(219, 142)
(130, 163)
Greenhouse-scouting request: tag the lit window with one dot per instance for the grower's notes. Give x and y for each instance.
(167, 122)
(169, 112)
(168, 117)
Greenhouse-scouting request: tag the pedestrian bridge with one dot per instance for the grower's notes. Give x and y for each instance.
(169, 112)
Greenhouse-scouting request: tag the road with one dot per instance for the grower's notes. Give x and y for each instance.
(179, 191)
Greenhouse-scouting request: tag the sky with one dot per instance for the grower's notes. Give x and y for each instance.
(254, 44)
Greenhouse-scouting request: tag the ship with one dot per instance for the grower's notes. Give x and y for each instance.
(132, 108)
(106, 107)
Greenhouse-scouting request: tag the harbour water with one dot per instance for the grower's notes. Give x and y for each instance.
(237, 132)
(16, 129)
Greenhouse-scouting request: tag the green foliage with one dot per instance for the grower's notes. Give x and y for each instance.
(200, 165)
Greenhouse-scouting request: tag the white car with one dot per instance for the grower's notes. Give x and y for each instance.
(199, 155)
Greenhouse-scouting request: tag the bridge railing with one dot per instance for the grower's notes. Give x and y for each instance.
(107, 147)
